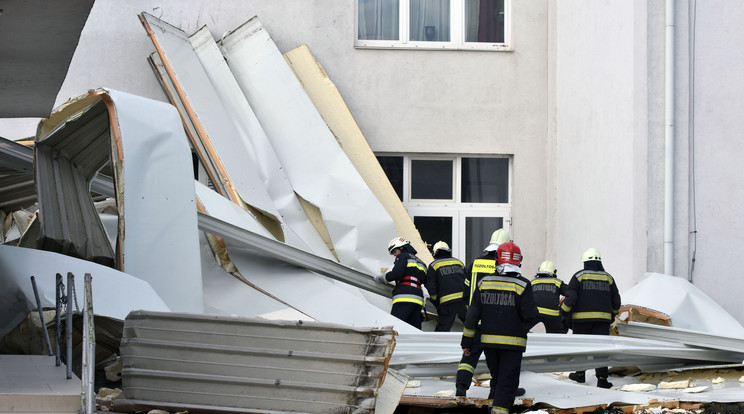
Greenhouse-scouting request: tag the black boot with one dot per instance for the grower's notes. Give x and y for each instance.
(520, 392)
(460, 391)
(603, 383)
(577, 376)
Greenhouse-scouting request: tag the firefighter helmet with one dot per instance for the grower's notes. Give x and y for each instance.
(547, 268)
(440, 245)
(510, 253)
(497, 237)
(591, 254)
(396, 243)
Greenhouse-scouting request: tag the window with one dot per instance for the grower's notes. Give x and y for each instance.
(460, 200)
(433, 24)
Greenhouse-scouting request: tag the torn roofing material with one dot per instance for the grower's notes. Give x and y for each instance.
(16, 176)
(195, 361)
(430, 354)
(145, 143)
(317, 167)
(688, 307)
(264, 263)
(331, 106)
(212, 123)
(115, 293)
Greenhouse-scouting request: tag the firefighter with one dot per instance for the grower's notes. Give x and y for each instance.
(444, 281)
(548, 290)
(409, 275)
(505, 307)
(482, 266)
(592, 301)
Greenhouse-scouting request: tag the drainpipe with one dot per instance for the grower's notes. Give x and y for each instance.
(669, 142)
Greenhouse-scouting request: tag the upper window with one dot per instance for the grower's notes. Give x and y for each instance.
(433, 24)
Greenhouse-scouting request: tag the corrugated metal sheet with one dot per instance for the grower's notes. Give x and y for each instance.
(245, 364)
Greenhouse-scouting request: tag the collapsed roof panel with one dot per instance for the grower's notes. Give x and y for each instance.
(317, 167)
(115, 293)
(274, 268)
(157, 240)
(688, 307)
(16, 176)
(216, 131)
(331, 106)
(69, 150)
(228, 363)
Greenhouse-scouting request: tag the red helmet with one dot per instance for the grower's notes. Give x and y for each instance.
(510, 253)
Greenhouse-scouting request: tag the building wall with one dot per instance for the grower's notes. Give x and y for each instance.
(597, 194)
(711, 150)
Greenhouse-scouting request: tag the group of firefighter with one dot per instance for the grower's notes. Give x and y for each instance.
(498, 306)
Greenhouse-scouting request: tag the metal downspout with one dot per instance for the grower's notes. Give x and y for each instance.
(669, 142)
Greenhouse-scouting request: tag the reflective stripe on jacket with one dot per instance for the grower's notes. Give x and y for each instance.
(505, 307)
(444, 280)
(592, 296)
(548, 291)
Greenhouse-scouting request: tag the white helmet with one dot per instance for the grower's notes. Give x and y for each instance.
(591, 254)
(498, 237)
(396, 243)
(440, 245)
(547, 268)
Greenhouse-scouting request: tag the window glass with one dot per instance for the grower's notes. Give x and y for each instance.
(378, 20)
(393, 167)
(434, 229)
(484, 21)
(485, 180)
(430, 20)
(478, 232)
(431, 179)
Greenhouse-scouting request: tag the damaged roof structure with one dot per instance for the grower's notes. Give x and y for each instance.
(286, 222)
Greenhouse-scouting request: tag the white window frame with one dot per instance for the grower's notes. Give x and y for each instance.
(454, 208)
(457, 32)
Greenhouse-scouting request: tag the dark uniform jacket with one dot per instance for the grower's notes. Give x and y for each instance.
(409, 274)
(548, 291)
(505, 306)
(444, 280)
(592, 295)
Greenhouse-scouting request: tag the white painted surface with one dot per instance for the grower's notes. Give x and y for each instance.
(115, 294)
(161, 244)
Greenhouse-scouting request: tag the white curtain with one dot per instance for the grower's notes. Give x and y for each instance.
(434, 14)
(378, 19)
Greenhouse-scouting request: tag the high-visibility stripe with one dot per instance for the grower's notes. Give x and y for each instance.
(506, 286)
(499, 410)
(507, 279)
(547, 280)
(548, 311)
(433, 297)
(468, 332)
(565, 307)
(592, 315)
(451, 297)
(447, 262)
(466, 367)
(504, 340)
(408, 298)
(416, 264)
(595, 276)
